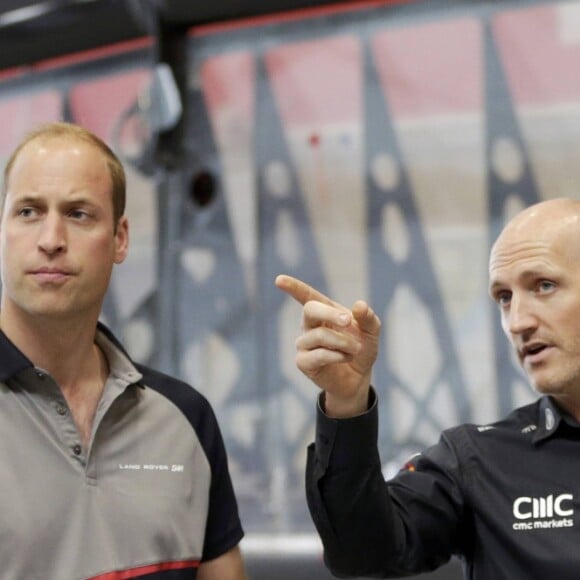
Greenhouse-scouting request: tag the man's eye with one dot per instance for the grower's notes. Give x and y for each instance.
(26, 212)
(503, 298)
(546, 286)
(78, 214)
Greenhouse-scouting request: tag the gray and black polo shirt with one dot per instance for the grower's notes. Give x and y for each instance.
(151, 498)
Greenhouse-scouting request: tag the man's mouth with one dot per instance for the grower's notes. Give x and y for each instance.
(50, 274)
(534, 352)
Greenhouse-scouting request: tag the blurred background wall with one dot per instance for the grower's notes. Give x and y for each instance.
(373, 149)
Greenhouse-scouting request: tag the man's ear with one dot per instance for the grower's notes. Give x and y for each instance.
(121, 240)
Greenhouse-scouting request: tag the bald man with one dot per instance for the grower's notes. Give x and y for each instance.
(504, 498)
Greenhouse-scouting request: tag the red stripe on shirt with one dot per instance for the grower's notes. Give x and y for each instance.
(149, 569)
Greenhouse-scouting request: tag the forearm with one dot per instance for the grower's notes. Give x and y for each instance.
(370, 527)
(228, 566)
(348, 499)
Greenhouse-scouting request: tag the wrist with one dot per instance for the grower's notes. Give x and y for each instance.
(343, 408)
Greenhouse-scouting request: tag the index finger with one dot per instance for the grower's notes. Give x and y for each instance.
(300, 291)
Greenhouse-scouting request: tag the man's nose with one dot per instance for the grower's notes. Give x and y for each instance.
(521, 316)
(52, 238)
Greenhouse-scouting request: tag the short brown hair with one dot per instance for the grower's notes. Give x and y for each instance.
(72, 131)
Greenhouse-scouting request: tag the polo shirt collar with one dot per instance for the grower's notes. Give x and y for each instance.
(13, 361)
(549, 419)
(121, 366)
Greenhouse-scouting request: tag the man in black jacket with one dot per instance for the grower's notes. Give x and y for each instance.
(503, 497)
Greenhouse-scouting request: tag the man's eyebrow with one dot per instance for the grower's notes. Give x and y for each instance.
(78, 200)
(493, 286)
(73, 200)
(27, 198)
(531, 273)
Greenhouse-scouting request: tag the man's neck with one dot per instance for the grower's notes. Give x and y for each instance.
(64, 347)
(570, 405)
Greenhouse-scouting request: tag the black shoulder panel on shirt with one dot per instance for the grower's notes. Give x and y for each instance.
(224, 529)
(190, 402)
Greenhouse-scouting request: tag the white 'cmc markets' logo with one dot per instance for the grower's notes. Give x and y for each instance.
(537, 513)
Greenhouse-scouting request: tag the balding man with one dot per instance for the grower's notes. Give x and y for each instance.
(504, 497)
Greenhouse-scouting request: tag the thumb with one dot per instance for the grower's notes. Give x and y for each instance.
(365, 317)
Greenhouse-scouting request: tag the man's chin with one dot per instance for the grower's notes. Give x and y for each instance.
(552, 387)
(50, 312)
(541, 385)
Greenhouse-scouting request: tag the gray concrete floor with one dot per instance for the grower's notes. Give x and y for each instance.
(308, 568)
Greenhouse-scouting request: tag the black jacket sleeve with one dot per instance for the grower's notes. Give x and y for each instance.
(373, 528)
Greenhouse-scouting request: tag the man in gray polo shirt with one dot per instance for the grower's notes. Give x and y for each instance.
(110, 470)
